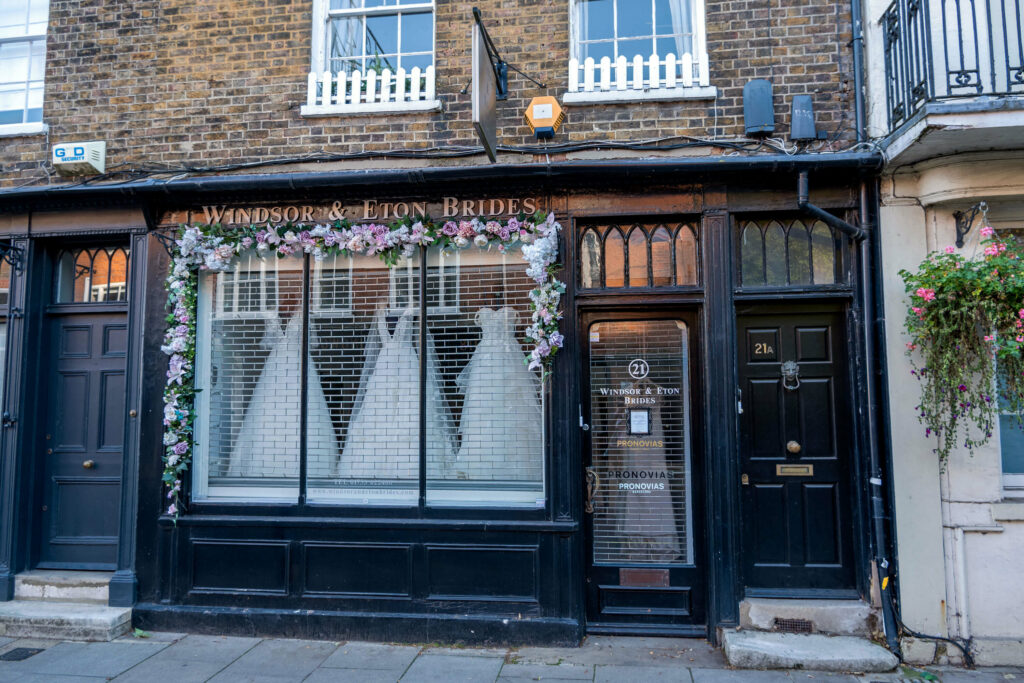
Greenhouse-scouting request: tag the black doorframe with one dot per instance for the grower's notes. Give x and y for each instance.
(31, 288)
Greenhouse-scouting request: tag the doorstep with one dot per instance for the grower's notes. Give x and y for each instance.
(760, 650)
(63, 620)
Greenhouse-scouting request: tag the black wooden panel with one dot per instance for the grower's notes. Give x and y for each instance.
(222, 566)
(115, 340)
(80, 508)
(72, 411)
(111, 409)
(766, 418)
(634, 601)
(75, 341)
(817, 430)
(350, 569)
(769, 517)
(813, 344)
(821, 519)
(763, 345)
(482, 572)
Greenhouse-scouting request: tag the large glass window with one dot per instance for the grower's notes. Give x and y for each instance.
(614, 28)
(376, 34)
(22, 61)
(92, 275)
(372, 381)
(1011, 445)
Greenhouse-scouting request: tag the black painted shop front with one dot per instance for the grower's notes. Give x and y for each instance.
(704, 408)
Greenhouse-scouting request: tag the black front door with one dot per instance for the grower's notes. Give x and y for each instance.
(795, 450)
(642, 512)
(81, 398)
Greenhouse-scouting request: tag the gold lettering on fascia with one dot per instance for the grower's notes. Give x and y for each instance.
(448, 208)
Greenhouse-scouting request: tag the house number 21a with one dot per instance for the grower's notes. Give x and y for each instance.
(763, 349)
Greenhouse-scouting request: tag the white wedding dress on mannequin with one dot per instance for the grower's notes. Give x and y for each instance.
(268, 442)
(501, 414)
(383, 434)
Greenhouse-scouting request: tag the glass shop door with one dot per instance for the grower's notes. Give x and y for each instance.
(643, 515)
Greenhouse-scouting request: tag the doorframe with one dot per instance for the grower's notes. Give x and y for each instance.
(845, 305)
(671, 306)
(20, 477)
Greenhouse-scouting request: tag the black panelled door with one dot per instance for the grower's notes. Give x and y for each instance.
(643, 509)
(82, 446)
(795, 451)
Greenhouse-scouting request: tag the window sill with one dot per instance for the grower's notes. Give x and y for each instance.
(13, 129)
(707, 92)
(369, 108)
(1009, 510)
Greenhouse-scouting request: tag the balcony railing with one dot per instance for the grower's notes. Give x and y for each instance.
(355, 92)
(652, 77)
(943, 49)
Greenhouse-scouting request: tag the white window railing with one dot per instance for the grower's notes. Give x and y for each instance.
(355, 92)
(654, 77)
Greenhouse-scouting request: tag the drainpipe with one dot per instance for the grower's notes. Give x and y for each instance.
(857, 19)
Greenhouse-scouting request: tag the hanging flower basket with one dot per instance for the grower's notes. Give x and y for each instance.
(966, 323)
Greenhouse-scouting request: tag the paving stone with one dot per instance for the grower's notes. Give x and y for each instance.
(469, 651)
(548, 672)
(357, 655)
(353, 676)
(277, 660)
(194, 658)
(90, 659)
(611, 673)
(733, 676)
(669, 652)
(22, 677)
(760, 650)
(434, 668)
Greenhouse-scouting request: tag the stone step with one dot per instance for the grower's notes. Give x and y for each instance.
(63, 620)
(62, 585)
(812, 652)
(836, 617)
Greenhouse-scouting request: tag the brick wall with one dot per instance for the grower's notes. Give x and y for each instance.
(171, 82)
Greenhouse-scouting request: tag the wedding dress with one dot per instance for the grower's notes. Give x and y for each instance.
(383, 435)
(501, 413)
(268, 442)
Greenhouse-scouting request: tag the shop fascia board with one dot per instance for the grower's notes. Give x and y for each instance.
(639, 172)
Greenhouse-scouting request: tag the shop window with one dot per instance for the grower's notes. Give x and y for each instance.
(632, 50)
(92, 275)
(22, 62)
(1011, 446)
(371, 56)
(787, 253)
(653, 255)
(483, 409)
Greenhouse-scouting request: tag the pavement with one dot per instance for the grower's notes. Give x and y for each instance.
(183, 658)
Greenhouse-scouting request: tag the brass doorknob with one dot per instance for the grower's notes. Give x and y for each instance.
(89, 464)
(793, 447)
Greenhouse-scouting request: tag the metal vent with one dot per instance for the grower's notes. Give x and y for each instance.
(19, 654)
(793, 625)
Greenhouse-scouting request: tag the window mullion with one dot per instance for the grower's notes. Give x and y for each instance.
(304, 383)
(423, 378)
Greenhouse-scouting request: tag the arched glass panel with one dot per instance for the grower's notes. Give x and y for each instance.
(752, 256)
(82, 276)
(118, 275)
(775, 255)
(614, 259)
(590, 260)
(637, 257)
(686, 256)
(799, 254)
(823, 254)
(661, 258)
(100, 282)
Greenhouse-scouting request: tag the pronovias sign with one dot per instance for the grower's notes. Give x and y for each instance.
(365, 210)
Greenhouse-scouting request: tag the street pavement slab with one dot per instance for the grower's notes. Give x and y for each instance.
(360, 655)
(103, 660)
(192, 659)
(443, 668)
(277, 661)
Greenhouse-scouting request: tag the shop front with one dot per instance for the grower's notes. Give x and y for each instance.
(565, 408)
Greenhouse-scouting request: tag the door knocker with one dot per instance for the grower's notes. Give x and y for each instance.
(593, 482)
(790, 376)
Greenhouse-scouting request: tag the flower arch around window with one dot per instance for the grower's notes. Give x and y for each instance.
(215, 248)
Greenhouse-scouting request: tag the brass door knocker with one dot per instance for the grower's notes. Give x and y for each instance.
(790, 376)
(593, 482)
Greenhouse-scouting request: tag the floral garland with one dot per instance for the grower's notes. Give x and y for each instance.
(214, 248)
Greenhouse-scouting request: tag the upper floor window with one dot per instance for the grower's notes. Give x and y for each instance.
(22, 61)
(638, 49)
(371, 56)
